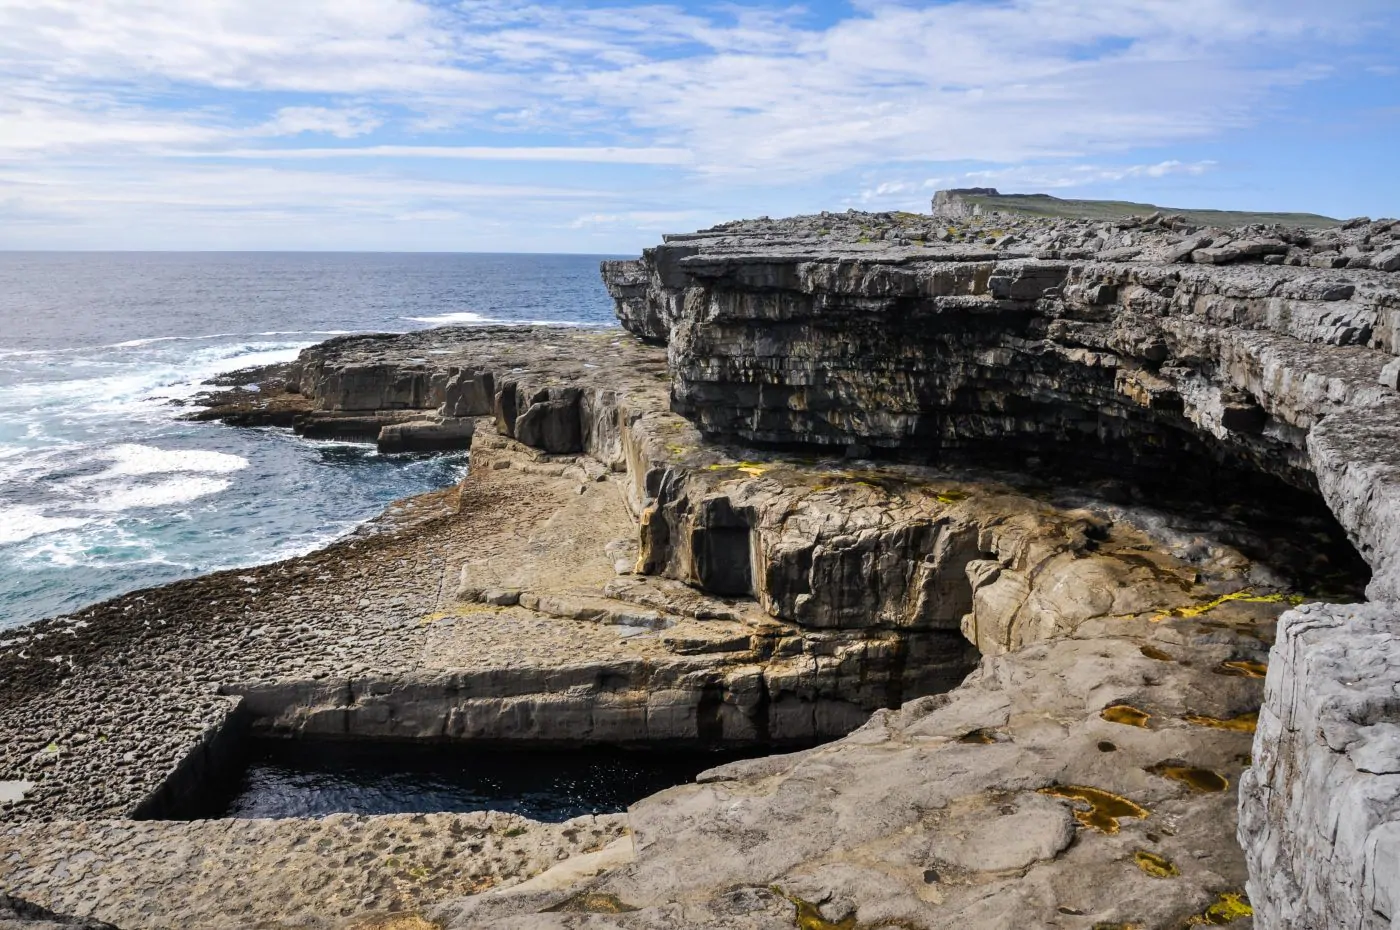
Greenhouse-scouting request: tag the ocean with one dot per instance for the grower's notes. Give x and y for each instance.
(104, 489)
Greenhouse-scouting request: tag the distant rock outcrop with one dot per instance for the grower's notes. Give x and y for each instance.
(953, 204)
(967, 202)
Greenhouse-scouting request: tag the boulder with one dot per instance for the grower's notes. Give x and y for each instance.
(1389, 260)
(443, 435)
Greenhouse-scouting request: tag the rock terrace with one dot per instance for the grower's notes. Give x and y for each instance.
(860, 462)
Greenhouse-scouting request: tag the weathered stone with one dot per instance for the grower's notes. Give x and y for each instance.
(1388, 260)
(426, 436)
(780, 598)
(1318, 803)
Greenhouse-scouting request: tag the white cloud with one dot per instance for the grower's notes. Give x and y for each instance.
(342, 123)
(598, 154)
(637, 219)
(746, 93)
(199, 192)
(112, 105)
(976, 81)
(1062, 176)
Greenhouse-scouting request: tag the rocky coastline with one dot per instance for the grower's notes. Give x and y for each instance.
(994, 520)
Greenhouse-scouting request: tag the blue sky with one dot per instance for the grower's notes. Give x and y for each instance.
(596, 125)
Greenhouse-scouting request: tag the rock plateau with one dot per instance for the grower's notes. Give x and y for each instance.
(994, 520)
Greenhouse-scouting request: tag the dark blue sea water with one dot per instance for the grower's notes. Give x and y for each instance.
(103, 489)
(313, 778)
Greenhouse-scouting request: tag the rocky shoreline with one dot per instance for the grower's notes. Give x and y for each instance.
(897, 485)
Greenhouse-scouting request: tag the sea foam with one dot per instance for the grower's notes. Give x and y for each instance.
(133, 459)
(19, 522)
(166, 493)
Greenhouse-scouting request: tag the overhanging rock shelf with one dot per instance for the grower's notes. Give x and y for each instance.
(1198, 359)
(782, 521)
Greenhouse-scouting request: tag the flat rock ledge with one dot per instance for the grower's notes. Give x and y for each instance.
(817, 494)
(1147, 346)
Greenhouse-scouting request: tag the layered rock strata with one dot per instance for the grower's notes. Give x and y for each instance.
(652, 587)
(1319, 804)
(1207, 360)
(612, 571)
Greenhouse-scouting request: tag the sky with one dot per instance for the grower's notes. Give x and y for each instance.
(593, 126)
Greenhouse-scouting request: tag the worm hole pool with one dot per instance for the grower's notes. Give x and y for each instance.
(313, 778)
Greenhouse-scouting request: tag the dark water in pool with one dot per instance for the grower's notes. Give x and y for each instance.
(103, 489)
(307, 778)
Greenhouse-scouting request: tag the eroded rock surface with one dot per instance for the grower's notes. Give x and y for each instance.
(859, 462)
(1193, 358)
(314, 873)
(1319, 804)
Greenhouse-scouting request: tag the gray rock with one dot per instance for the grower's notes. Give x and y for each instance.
(1317, 806)
(441, 435)
(1388, 260)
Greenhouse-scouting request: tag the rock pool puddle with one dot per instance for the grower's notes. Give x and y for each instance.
(315, 778)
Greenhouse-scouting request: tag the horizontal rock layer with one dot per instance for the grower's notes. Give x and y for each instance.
(658, 587)
(1205, 360)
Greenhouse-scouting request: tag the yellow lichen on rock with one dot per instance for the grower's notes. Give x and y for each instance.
(592, 902)
(1244, 723)
(1155, 865)
(1104, 810)
(1229, 908)
(752, 469)
(1243, 668)
(809, 916)
(1197, 779)
(1125, 714)
(1246, 596)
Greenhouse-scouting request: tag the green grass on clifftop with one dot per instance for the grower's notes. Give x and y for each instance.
(1045, 205)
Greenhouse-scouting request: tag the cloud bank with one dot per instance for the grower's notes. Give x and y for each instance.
(644, 110)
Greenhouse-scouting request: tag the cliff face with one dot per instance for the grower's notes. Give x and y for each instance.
(1008, 514)
(1210, 362)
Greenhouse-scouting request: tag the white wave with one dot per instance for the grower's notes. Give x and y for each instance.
(147, 385)
(136, 343)
(133, 459)
(160, 494)
(19, 522)
(140, 343)
(108, 547)
(19, 462)
(304, 544)
(464, 316)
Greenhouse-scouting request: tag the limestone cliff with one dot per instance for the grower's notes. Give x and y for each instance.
(1202, 359)
(1006, 514)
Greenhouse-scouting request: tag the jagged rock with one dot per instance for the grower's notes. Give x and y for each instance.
(468, 394)
(547, 418)
(1388, 260)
